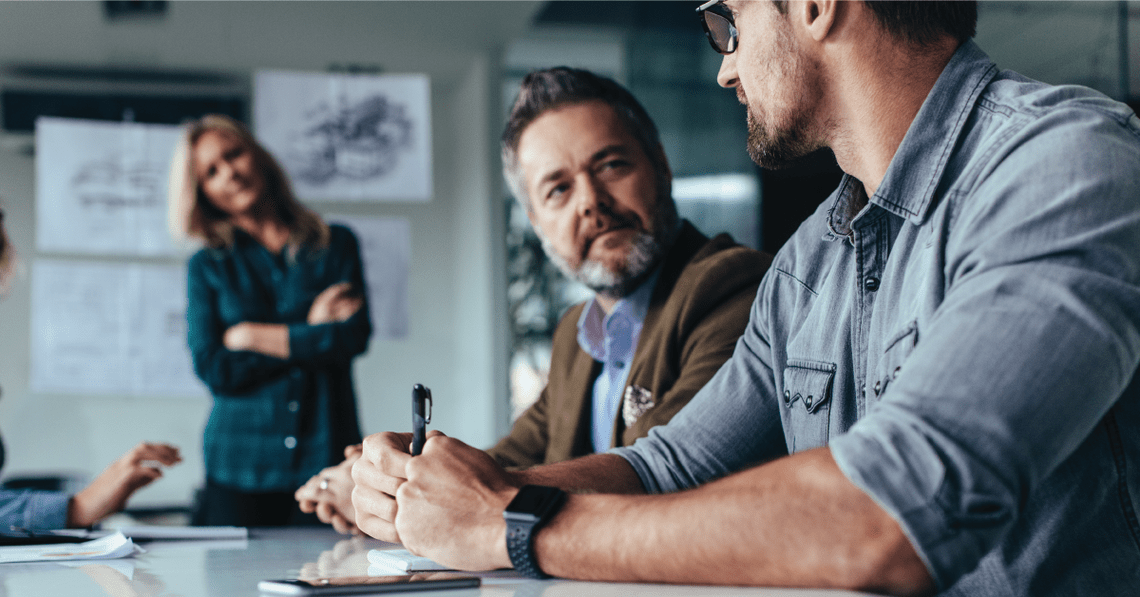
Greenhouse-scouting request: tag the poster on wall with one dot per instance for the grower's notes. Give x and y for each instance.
(101, 186)
(110, 328)
(386, 248)
(347, 137)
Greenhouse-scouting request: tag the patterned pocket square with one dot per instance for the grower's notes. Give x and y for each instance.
(637, 400)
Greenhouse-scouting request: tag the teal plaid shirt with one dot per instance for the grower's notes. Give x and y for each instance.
(275, 422)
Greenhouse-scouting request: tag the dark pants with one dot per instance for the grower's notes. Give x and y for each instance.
(220, 505)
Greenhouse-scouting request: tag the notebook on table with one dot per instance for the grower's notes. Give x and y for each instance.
(401, 561)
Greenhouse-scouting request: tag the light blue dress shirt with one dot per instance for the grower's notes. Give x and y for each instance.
(612, 341)
(965, 344)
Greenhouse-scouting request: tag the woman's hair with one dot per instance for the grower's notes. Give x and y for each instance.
(191, 214)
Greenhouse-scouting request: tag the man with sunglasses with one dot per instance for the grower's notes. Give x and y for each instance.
(935, 391)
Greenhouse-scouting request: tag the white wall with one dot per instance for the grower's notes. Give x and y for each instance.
(456, 342)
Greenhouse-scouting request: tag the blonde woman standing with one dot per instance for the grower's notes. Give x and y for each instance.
(276, 314)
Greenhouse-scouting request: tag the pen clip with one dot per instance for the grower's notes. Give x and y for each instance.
(427, 396)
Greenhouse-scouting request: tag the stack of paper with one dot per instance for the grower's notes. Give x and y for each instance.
(109, 547)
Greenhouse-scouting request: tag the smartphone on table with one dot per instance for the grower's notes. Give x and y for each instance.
(361, 585)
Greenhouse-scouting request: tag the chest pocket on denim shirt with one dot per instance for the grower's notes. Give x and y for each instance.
(890, 364)
(807, 397)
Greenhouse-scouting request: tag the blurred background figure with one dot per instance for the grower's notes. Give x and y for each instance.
(28, 509)
(276, 314)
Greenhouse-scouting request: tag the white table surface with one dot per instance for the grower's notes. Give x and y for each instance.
(233, 568)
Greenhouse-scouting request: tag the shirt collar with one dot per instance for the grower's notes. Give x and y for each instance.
(908, 186)
(592, 322)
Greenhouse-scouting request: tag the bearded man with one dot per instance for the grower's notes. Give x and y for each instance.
(584, 158)
(937, 391)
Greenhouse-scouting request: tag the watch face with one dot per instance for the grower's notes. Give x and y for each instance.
(533, 501)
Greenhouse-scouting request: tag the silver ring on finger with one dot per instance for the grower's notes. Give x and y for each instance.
(324, 484)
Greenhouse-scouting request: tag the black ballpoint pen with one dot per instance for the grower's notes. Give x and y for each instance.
(421, 416)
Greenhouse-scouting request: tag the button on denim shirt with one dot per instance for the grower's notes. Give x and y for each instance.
(964, 343)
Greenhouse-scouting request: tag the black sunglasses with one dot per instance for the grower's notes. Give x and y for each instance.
(719, 26)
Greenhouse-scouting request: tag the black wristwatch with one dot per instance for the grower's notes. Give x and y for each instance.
(531, 508)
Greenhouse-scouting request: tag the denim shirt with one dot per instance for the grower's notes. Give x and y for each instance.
(964, 343)
(31, 509)
(612, 341)
(275, 422)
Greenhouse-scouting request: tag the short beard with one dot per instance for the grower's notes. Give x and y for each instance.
(644, 253)
(787, 142)
(776, 150)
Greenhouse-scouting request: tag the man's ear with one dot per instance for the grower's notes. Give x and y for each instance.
(817, 16)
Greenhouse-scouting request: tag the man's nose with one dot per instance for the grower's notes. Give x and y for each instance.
(593, 201)
(726, 76)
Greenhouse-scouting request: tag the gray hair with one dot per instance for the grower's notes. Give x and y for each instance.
(549, 89)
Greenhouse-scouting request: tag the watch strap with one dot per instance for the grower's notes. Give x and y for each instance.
(521, 530)
(520, 547)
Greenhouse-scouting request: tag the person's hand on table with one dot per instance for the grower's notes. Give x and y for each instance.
(329, 494)
(335, 304)
(377, 474)
(450, 507)
(109, 492)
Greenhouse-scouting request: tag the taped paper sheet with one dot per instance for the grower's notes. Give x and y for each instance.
(101, 186)
(110, 328)
(386, 248)
(348, 137)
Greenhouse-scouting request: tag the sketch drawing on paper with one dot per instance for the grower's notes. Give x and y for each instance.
(358, 141)
(101, 186)
(114, 183)
(348, 137)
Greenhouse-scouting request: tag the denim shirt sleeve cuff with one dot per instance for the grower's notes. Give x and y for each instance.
(46, 510)
(641, 467)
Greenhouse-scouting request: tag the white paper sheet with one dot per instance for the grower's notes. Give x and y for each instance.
(101, 186)
(110, 328)
(399, 561)
(386, 248)
(109, 547)
(156, 532)
(348, 137)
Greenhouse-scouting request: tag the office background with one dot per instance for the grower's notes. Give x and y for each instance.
(480, 298)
